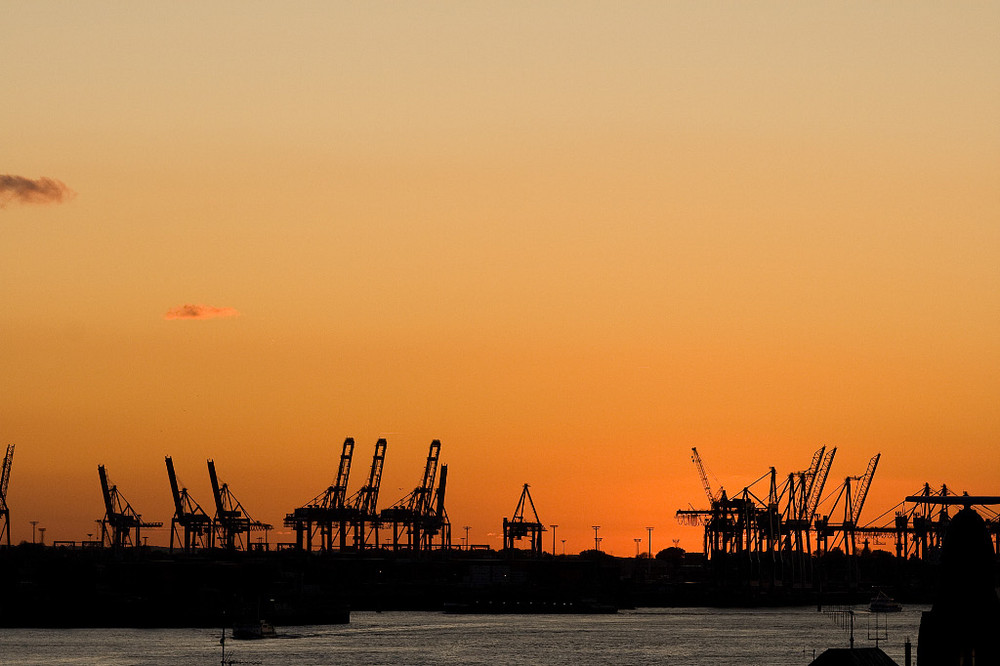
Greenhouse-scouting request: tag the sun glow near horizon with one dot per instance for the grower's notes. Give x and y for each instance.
(569, 241)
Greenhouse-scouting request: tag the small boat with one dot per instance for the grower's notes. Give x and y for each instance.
(883, 603)
(253, 630)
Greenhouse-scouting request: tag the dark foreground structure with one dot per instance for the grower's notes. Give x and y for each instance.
(855, 657)
(963, 627)
(63, 586)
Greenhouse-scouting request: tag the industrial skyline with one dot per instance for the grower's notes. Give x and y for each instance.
(570, 241)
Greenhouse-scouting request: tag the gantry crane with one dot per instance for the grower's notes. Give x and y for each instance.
(796, 519)
(328, 513)
(438, 524)
(420, 516)
(819, 483)
(191, 526)
(364, 502)
(921, 528)
(121, 526)
(800, 488)
(8, 461)
(518, 527)
(693, 516)
(944, 499)
(778, 525)
(854, 502)
(231, 526)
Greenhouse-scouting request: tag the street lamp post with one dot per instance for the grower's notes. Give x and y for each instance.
(637, 542)
(33, 523)
(468, 546)
(649, 542)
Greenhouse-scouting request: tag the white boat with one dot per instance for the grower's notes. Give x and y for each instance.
(883, 603)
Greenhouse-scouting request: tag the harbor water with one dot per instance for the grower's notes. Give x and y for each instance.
(772, 636)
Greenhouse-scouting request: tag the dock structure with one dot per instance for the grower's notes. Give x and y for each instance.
(122, 525)
(419, 521)
(328, 516)
(364, 503)
(190, 526)
(780, 531)
(232, 526)
(786, 524)
(524, 526)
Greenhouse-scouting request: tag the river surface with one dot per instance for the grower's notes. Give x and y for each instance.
(773, 636)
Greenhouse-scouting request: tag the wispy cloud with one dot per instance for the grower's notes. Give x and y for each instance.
(32, 190)
(188, 311)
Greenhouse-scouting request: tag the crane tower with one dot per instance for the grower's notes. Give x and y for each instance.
(4, 481)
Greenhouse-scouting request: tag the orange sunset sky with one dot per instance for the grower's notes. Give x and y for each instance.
(571, 240)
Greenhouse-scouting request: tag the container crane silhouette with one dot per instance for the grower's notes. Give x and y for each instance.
(190, 525)
(231, 526)
(518, 527)
(420, 516)
(8, 461)
(121, 526)
(853, 502)
(712, 495)
(364, 502)
(328, 513)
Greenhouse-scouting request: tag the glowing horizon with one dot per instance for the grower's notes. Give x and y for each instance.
(571, 241)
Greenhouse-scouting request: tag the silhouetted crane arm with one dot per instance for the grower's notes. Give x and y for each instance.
(442, 486)
(422, 495)
(866, 482)
(370, 498)
(175, 490)
(107, 490)
(8, 461)
(817, 490)
(220, 509)
(809, 478)
(343, 474)
(703, 475)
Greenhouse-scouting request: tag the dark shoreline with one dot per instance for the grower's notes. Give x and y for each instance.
(151, 587)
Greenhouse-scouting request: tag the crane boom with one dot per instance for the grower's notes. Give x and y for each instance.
(703, 475)
(8, 461)
(820, 482)
(809, 476)
(343, 473)
(367, 498)
(106, 490)
(175, 490)
(439, 496)
(866, 482)
(216, 490)
(422, 494)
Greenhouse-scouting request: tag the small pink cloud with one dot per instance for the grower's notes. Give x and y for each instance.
(199, 312)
